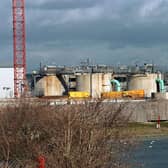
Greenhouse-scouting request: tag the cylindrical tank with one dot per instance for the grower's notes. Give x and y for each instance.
(49, 86)
(106, 79)
(147, 82)
(83, 82)
(94, 83)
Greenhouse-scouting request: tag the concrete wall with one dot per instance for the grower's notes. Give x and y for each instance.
(147, 110)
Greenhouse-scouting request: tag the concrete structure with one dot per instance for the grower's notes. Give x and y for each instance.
(94, 83)
(148, 110)
(147, 82)
(6, 82)
(134, 110)
(160, 96)
(71, 82)
(95, 79)
(49, 86)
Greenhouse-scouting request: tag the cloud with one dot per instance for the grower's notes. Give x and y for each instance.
(150, 7)
(62, 4)
(105, 30)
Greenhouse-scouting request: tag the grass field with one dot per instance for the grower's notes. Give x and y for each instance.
(148, 129)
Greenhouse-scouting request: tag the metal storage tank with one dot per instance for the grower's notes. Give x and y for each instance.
(147, 82)
(95, 83)
(49, 86)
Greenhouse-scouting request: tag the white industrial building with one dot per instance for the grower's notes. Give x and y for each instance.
(6, 82)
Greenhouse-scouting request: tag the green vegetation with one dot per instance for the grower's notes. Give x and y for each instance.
(145, 130)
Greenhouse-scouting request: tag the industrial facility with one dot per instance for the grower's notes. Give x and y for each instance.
(83, 81)
(143, 84)
(97, 81)
(89, 81)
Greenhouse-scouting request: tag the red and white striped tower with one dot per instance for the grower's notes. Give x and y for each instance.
(19, 47)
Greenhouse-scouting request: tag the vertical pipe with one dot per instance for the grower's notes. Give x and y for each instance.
(117, 84)
(161, 85)
(91, 72)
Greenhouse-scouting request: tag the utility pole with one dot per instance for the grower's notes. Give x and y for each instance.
(19, 47)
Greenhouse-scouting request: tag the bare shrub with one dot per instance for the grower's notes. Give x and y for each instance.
(88, 135)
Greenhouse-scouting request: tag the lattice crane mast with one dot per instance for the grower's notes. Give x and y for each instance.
(19, 47)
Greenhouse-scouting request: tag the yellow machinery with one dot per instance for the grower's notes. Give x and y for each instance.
(130, 94)
(135, 94)
(114, 95)
(79, 94)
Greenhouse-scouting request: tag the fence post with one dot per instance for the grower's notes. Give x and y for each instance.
(41, 161)
(158, 122)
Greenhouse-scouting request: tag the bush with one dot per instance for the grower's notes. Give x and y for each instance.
(88, 135)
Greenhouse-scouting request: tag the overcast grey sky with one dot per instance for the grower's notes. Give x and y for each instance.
(64, 32)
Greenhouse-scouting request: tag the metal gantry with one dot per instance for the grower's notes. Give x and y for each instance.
(19, 47)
